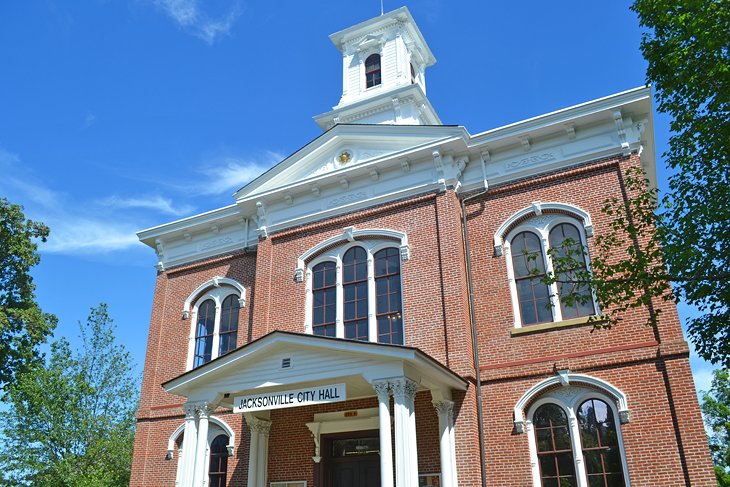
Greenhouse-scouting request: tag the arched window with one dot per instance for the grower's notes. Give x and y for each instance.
(372, 70)
(529, 268)
(600, 444)
(215, 307)
(536, 247)
(566, 243)
(229, 325)
(353, 285)
(355, 288)
(554, 446)
(389, 307)
(218, 466)
(324, 299)
(205, 328)
(574, 436)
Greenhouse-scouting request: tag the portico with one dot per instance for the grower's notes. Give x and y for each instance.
(285, 370)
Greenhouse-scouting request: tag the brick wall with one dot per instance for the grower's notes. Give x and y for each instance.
(665, 442)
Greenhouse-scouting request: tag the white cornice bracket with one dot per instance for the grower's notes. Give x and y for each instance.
(525, 141)
(621, 130)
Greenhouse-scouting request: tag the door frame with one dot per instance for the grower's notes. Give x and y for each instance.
(321, 478)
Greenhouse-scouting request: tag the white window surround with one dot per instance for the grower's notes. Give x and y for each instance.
(351, 234)
(569, 398)
(215, 282)
(217, 427)
(541, 226)
(537, 208)
(217, 289)
(372, 241)
(224, 427)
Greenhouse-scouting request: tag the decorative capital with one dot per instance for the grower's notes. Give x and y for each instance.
(382, 389)
(519, 427)
(299, 275)
(404, 388)
(444, 407)
(189, 409)
(258, 425)
(204, 409)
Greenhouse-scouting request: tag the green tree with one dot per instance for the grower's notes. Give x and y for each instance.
(716, 411)
(675, 245)
(687, 46)
(71, 420)
(23, 325)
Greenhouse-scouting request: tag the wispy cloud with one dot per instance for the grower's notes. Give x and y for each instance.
(189, 15)
(89, 120)
(156, 203)
(230, 173)
(76, 228)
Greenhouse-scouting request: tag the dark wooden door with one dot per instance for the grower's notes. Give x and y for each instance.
(351, 460)
(355, 472)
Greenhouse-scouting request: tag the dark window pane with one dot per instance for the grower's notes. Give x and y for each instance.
(388, 296)
(599, 441)
(372, 70)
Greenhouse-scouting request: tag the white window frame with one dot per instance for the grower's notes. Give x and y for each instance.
(217, 289)
(216, 427)
(336, 254)
(569, 400)
(541, 226)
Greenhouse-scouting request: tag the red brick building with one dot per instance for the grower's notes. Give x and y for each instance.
(364, 314)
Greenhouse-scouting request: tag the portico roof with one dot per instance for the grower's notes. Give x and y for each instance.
(280, 360)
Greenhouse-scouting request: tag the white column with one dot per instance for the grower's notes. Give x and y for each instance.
(444, 409)
(452, 435)
(382, 388)
(189, 441)
(264, 428)
(406, 455)
(203, 411)
(253, 451)
(258, 454)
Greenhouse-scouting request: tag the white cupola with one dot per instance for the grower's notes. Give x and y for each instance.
(384, 61)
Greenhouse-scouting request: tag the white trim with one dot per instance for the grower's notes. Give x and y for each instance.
(541, 226)
(537, 208)
(215, 282)
(350, 234)
(370, 240)
(570, 405)
(217, 290)
(567, 378)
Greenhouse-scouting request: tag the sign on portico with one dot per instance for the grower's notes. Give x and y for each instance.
(289, 399)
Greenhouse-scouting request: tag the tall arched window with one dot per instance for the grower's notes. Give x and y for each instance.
(218, 467)
(324, 301)
(205, 328)
(529, 268)
(214, 310)
(565, 242)
(229, 325)
(355, 288)
(372, 70)
(554, 447)
(389, 307)
(599, 440)
(538, 246)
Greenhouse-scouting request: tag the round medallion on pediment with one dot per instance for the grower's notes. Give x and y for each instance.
(344, 156)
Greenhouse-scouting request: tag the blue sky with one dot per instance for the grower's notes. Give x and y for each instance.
(119, 115)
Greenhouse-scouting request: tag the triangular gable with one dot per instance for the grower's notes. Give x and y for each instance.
(260, 365)
(343, 149)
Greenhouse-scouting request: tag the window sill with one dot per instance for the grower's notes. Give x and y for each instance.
(582, 321)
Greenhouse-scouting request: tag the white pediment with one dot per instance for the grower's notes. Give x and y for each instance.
(282, 360)
(340, 151)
